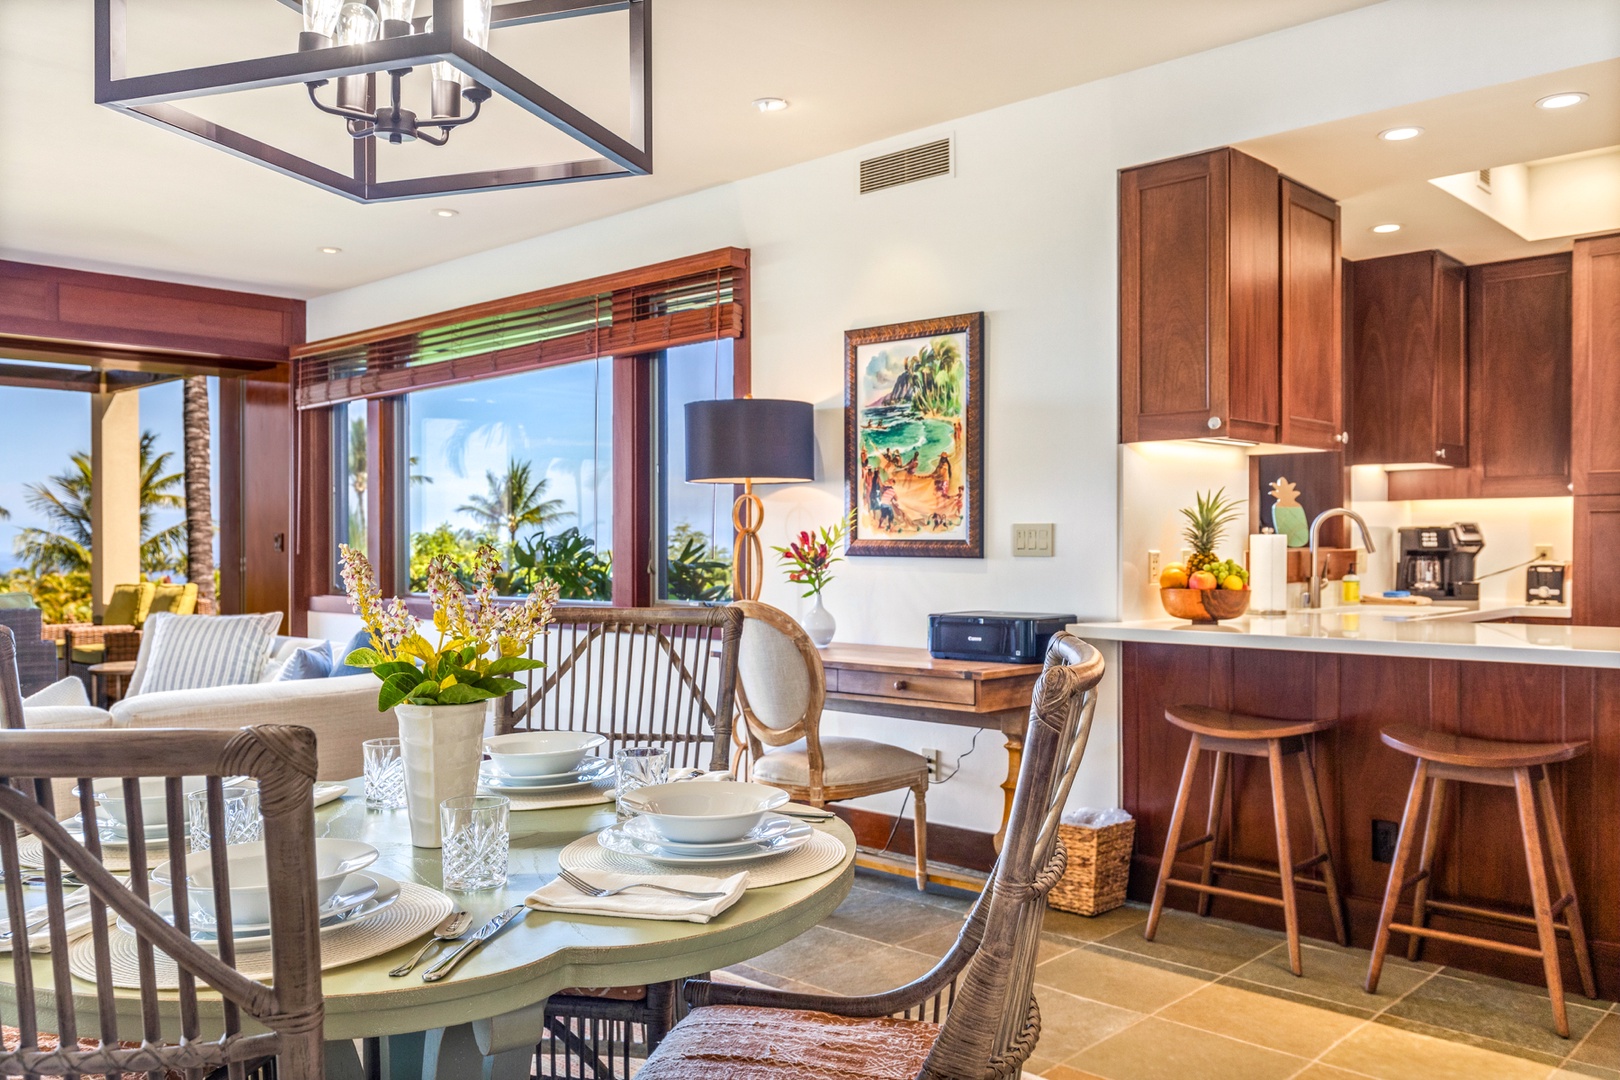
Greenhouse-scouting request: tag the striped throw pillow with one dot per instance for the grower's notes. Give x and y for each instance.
(194, 652)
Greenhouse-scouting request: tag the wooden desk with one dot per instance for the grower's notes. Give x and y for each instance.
(885, 680)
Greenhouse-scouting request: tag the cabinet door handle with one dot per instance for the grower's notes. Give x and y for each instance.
(899, 684)
(1342, 437)
(1214, 423)
(1440, 453)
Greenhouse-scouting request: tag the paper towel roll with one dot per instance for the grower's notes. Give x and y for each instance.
(1268, 574)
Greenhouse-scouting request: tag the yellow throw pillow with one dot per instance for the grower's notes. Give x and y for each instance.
(174, 599)
(129, 604)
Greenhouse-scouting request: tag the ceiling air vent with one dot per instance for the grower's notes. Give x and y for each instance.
(906, 166)
(1484, 180)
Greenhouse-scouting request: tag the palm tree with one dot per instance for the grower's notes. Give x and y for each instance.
(64, 500)
(199, 495)
(357, 483)
(514, 502)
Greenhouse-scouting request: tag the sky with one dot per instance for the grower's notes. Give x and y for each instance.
(45, 427)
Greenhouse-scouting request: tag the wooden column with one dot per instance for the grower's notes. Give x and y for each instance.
(115, 494)
(632, 481)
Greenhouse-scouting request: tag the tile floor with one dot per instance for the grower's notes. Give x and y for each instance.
(1212, 999)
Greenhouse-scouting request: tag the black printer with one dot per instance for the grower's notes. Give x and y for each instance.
(1007, 637)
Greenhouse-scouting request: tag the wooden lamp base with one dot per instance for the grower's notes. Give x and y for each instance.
(747, 556)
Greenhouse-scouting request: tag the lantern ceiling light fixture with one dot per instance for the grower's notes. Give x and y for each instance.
(350, 43)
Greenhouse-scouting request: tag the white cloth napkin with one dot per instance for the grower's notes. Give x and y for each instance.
(558, 895)
(39, 940)
(326, 792)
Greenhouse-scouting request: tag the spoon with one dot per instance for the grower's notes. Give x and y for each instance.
(455, 924)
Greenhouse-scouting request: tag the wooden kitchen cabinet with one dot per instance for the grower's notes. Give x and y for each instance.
(1595, 306)
(1407, 367)
(1518, 367)
(1595, 591)
(1199, 299)
(1312, 337)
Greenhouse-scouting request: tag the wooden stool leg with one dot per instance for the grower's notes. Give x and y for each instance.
(1397, 873)
(1330, 876)
(1168, 862)
(1285, 854)
(1217, 795)
(1420, 895)
(1566, 884)
(1536, 863)
(919, 824)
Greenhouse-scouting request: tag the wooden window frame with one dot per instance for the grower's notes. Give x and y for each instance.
(315, 586)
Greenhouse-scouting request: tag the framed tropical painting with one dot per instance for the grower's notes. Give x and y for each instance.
(914, 437)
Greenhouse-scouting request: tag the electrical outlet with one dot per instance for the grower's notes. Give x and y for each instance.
(1385, 835)
(1544, 551)
(936, 761)
(1032, 541)
(1153, 565)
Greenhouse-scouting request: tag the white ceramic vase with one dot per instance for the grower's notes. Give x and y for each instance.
(819, 624)
(441, 746)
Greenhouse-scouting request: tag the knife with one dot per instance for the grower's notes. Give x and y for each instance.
(443, 967)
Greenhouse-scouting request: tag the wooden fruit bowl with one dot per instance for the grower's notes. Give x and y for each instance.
(1205, 605)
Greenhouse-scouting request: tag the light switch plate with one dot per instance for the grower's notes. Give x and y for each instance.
(1032, 541)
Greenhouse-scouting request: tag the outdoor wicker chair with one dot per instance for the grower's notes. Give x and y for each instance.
(87, 1036)
(36, 656)
(663, 676)
(974, 1015)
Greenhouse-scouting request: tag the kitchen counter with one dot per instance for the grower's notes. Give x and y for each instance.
(1382, 630)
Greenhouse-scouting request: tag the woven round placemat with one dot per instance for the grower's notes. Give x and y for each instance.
(114, 853)
(820, 853)
(418, 910)
(599, 792)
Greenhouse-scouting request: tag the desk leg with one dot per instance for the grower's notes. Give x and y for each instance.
(454, 1052)
(1015, 756)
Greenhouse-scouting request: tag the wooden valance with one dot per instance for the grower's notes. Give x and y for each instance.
(698, 298)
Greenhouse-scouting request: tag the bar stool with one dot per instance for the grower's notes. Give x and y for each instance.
(1522, 767)
(1226, 734)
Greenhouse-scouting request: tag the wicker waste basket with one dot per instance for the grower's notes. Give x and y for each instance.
(1099, 844)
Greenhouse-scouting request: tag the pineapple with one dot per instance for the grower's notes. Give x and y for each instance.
(1206, 522)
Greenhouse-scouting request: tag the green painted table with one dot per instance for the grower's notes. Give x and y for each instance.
(485, 1019)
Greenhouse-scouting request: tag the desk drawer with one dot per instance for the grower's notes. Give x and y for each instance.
(907, 687)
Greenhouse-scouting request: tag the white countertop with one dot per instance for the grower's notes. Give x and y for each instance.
(1379, 630)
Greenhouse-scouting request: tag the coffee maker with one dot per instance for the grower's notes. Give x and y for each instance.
(1437, 561)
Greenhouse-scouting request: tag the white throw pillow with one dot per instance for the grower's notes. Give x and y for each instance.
(68, 692)
(194, 652)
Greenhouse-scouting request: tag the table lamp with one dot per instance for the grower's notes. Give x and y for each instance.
(749, 441)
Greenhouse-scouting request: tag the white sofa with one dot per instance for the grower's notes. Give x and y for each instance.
(341, 711)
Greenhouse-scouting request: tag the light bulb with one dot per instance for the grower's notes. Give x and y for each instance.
(357, 25)
(321, 16)
(398, 10)
(475, 22)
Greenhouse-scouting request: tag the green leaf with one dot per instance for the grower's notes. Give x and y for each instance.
(397, 688)
(498, 686)
(425, 693)
(394, 667)
(507, 664)
(463, 694)
(363, 658)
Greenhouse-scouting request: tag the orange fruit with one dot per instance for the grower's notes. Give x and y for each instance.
(1173, 577)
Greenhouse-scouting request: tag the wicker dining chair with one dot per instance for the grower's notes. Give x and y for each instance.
(974, 1015)
(85, 1035)
(664, 676)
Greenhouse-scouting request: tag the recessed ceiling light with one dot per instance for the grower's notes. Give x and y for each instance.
(330, 251)
(1560, 101)
(445, 211)
(770, 104)
(1387, 227)
(1400, 134)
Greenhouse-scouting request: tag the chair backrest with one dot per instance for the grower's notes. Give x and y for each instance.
(781, 686)
(11, 706)
(664, 676)
(282, 760)
(993, 1022)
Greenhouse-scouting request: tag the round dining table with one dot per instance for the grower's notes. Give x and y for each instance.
(486, 1018)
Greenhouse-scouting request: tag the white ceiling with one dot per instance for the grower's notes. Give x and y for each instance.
(1376, 181)
(83, 186)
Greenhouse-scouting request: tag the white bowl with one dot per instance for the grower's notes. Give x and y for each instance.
(541, 753)
(691, 813)
(154, 800)
(335, 860)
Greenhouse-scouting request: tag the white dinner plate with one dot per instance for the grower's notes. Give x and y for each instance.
(773, 827)
(113, 834)
(593, 770)
(615, 839)
(257, 939)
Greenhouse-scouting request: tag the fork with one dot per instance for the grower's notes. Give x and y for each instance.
(591, 890)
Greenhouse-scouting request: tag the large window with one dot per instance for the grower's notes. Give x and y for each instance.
(524, 462)
(693, 520)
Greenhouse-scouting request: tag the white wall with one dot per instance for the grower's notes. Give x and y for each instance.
(1024, 231)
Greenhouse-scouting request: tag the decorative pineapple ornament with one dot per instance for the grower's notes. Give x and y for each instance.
(1287, 516)
(1207, 521)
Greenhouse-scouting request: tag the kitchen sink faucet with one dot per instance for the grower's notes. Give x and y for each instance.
(1313, 597)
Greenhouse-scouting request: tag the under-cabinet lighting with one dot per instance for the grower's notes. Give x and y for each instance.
(445, 211)
(331, 251)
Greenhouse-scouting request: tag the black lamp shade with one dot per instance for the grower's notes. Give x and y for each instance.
(763, 440)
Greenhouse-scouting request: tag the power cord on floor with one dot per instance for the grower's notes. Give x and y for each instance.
(956, 768)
